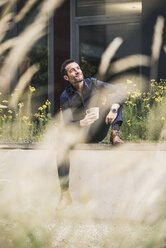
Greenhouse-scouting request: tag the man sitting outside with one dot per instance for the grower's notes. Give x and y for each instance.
(80, 95)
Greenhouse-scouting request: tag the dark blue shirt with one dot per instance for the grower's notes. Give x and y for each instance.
(76, 105)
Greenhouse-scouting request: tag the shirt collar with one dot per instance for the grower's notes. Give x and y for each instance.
(71, 90)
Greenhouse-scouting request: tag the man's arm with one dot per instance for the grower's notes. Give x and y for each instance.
(111, 116)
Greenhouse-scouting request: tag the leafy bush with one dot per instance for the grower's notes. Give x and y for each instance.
(144, 113)
(20, 125)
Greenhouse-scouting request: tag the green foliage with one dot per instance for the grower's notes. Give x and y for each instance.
(88, 69)
(19, 124)
(39, 55)
(144, 113)
(144, 117)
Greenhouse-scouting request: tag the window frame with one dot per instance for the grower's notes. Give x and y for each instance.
(77, 22)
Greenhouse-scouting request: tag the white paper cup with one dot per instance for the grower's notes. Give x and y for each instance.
(93, 110)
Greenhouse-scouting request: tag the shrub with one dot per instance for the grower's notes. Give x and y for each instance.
(144, 113)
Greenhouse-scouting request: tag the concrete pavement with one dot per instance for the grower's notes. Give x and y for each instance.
(106, 182)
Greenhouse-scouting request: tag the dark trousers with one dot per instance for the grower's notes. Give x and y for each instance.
(96, 133)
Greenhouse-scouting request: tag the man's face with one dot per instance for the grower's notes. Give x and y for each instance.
(74, 73)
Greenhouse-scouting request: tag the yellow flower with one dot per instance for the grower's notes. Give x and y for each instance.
(129, 123)
(5, 101)
(47, 102)
(10, 111)
(158, 99)
(40, 108)
(156, 93)
(20, 104)
(10, 117)
(163, 118)
(25, 118)
(31, 88)
(4, 116)
(147, 106)
(44, 106)
(146, 99)
(29, 123)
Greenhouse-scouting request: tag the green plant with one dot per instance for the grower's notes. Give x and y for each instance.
(20, 125)
(88, 69)
(144, 114)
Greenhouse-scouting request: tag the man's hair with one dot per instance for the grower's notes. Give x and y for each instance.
(64, 64)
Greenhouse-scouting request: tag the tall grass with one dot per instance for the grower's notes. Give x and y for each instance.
(144, 113)
(29, 187)
(16, 121)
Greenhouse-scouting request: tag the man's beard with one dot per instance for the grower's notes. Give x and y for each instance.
(79, 80)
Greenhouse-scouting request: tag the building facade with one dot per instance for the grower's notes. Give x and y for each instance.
(82, 30)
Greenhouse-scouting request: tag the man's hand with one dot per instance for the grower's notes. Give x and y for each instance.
(88, 120)
(112, 115)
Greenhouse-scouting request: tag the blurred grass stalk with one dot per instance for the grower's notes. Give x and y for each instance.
(156, 46)
(16, 50)
(25, 41)
(25, 205)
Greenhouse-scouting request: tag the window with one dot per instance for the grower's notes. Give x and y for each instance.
(37, 55)
(107, 7)
(40, 54)
(94, 39)
(95, 23)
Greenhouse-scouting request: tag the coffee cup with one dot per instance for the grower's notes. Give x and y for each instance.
(94, 110)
